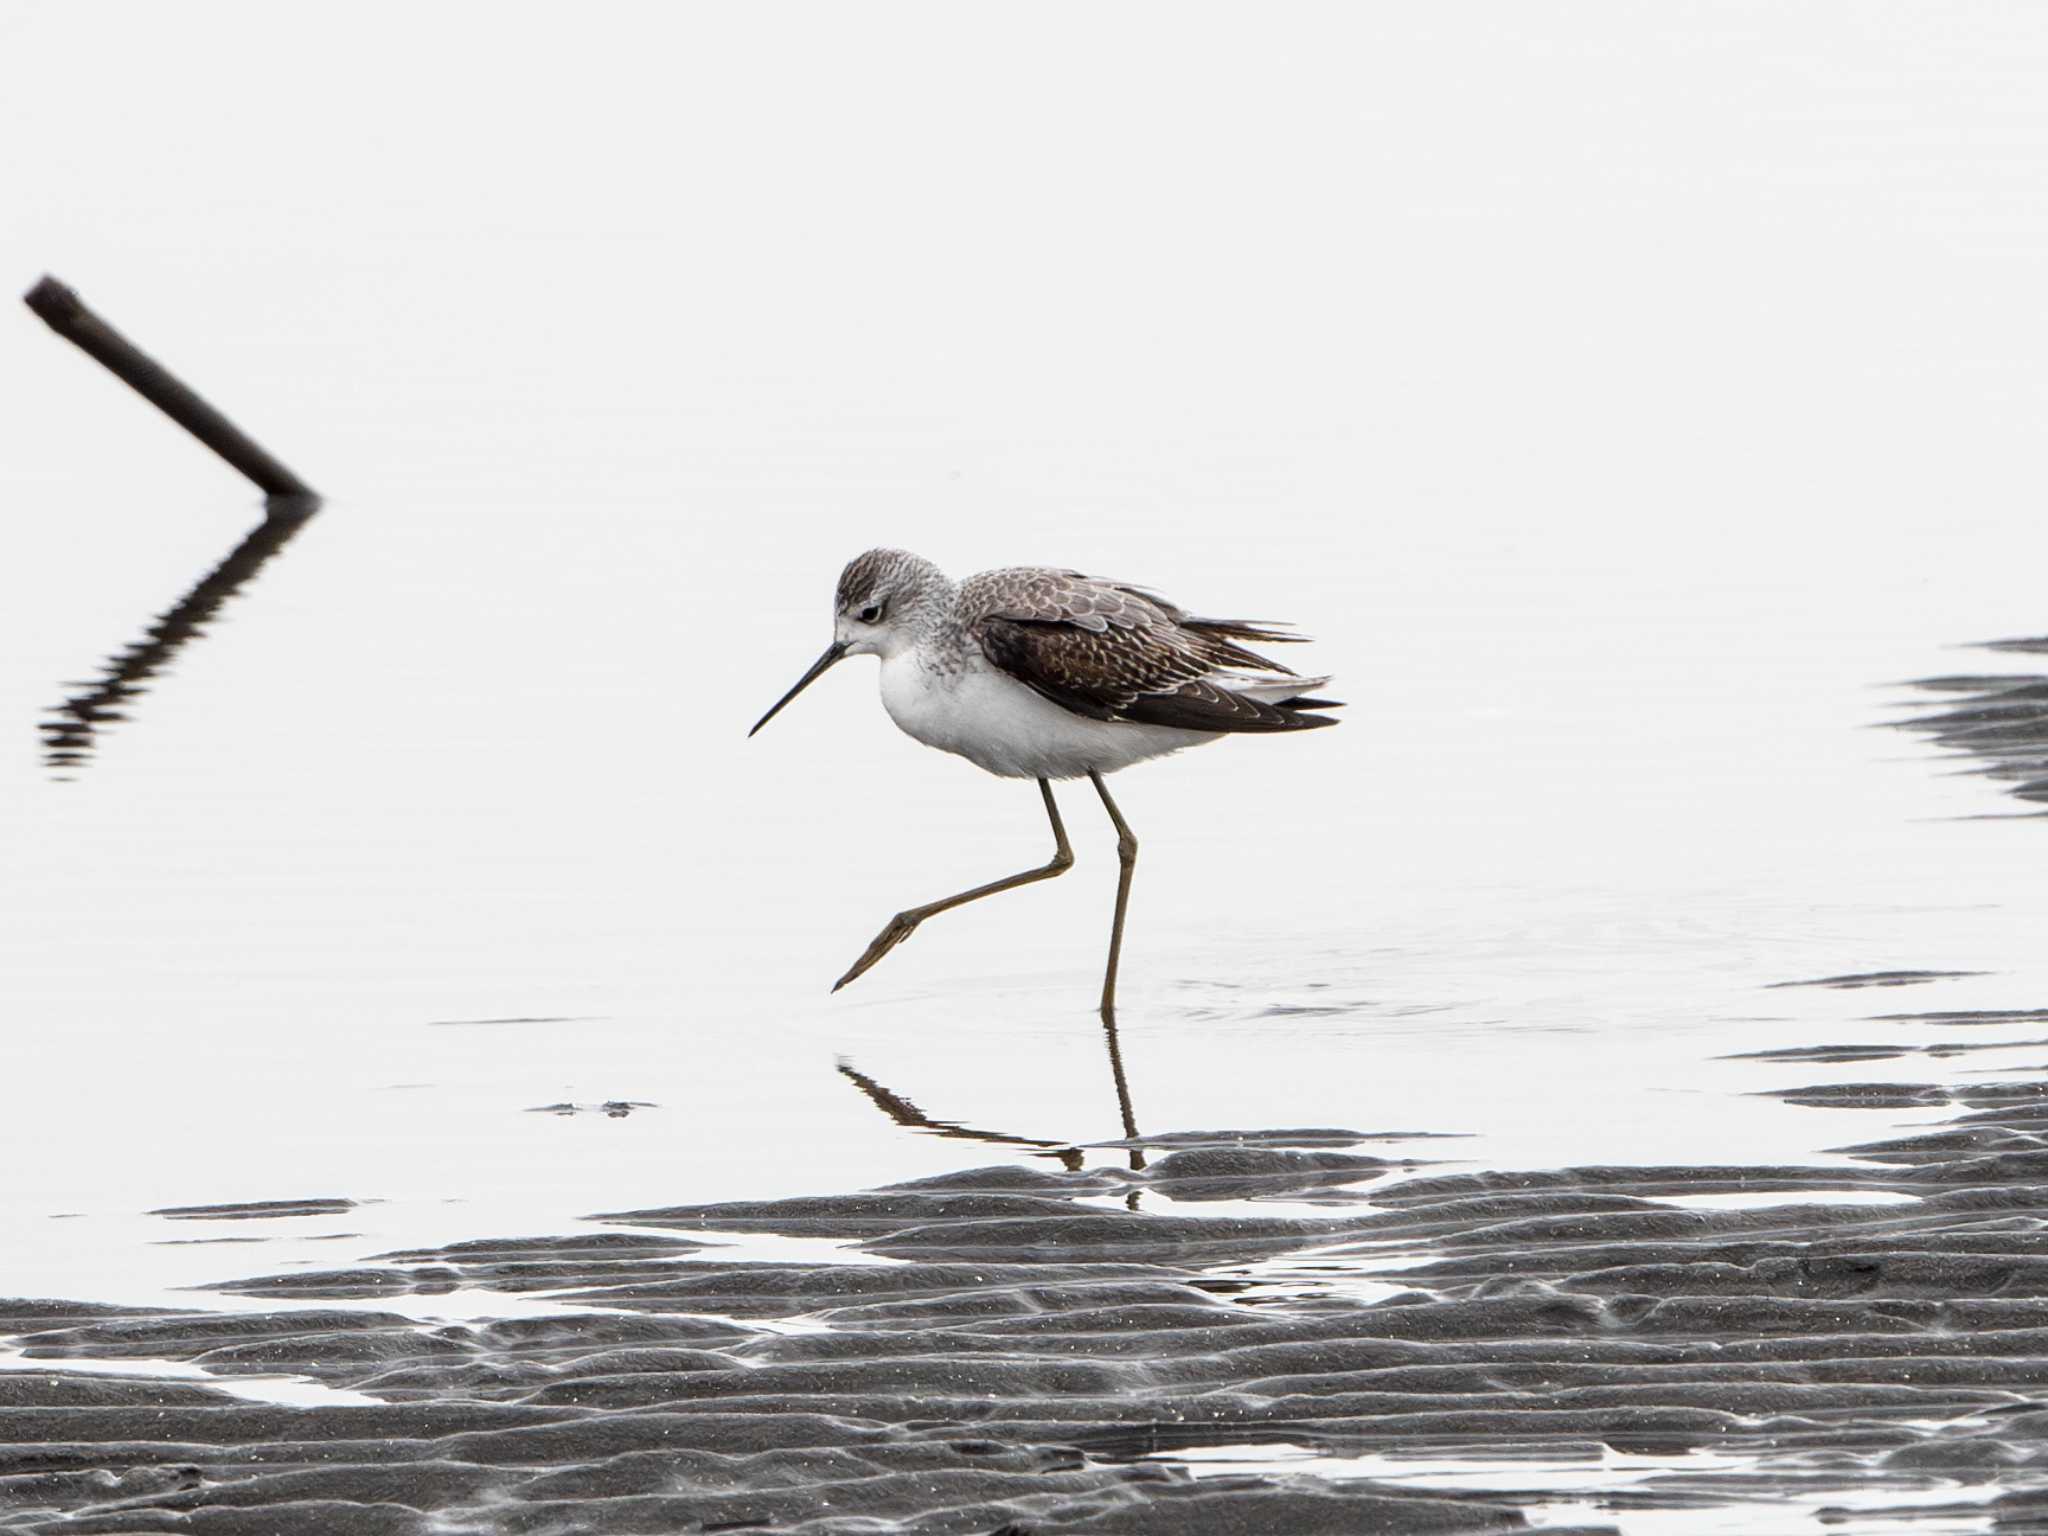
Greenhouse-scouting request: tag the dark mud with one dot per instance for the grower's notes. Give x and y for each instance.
(259, 1210)
(1018, 1348)
(1884, 1052)
(1967, 1017)
(2000, 720)
(1876, 979)
(615, 1109)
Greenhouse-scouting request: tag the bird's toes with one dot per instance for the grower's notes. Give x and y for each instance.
(897, 930)
(859, 968)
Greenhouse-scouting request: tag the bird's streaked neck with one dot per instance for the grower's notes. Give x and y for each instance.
(921, 608)
(912, 628)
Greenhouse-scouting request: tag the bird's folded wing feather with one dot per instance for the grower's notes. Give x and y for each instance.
(1112, 652)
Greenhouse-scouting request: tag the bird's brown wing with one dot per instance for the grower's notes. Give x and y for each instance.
(1113, 652)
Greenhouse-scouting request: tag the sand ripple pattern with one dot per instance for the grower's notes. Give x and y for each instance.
(1025, 1353)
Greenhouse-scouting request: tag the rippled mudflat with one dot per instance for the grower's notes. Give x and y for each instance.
(1308, 1329)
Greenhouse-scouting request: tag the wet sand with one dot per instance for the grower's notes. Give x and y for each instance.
(1036, 1349)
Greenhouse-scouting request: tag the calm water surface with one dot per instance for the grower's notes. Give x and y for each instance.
(1622, 477)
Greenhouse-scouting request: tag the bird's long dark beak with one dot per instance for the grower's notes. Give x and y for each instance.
(818, 669)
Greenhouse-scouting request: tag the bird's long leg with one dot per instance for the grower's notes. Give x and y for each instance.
(1127, 856)
(904, 924)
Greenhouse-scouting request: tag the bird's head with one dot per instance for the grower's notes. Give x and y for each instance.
(884, 600)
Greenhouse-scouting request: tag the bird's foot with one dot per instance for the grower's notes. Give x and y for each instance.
(894, 932)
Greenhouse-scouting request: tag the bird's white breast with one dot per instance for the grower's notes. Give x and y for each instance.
(999, 725)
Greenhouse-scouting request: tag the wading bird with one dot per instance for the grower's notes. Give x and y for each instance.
(1037, 673)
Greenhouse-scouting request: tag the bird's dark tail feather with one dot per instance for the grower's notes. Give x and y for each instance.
(1219, 639)
(1299, 712)
(1245, 629)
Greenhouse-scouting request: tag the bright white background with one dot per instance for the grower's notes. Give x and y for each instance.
(1624, 395)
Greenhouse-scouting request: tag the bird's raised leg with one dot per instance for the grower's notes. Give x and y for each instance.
(1127, 856)
(904, 924)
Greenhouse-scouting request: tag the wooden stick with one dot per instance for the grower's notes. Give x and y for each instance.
(66, 314)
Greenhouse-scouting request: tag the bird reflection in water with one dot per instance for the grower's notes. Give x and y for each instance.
(72, 729)
(906, 1113)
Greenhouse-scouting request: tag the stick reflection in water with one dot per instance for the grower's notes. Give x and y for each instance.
(71, 730)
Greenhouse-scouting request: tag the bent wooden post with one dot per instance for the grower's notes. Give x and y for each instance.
(66, 314)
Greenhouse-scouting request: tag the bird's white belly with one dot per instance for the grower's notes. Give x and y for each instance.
(1000, 725)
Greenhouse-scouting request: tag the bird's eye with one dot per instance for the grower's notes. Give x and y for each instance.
(869, 614)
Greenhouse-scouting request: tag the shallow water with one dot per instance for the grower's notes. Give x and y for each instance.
(296, 1391)
(276, 943)
(447, 815)
(1622, 1486)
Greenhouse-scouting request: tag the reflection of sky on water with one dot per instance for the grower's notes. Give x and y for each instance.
(1644, 1493)
(1617, 473)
